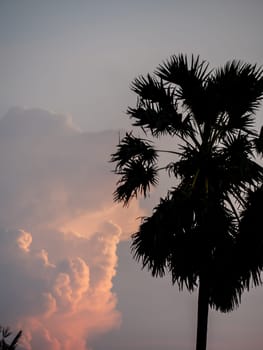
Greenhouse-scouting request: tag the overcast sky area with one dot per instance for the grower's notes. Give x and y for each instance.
(68, 278)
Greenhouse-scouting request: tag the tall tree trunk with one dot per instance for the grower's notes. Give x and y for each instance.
(202, 314)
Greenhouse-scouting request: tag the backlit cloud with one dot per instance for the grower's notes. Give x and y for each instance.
(59, 230)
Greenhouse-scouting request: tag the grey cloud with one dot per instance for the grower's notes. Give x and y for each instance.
(50, 168)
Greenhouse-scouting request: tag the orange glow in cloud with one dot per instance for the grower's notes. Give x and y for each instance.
(60, 230)
(87, 223)
(73, 306)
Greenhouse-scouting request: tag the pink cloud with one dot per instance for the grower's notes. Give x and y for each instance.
(60, 230)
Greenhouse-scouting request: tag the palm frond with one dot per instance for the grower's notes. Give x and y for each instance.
(159, 120)
(132, 148)
(179, 71)
(226, 288)
(226, 125)
(190, 80)
(153, 90)
(15, 341)
(6, 333)
(259, 142)
(237, 89)
(136, 178)
(157, 108)
(240, 170)
(136, 163)
(155, 240)
(195, 249)
(237, 147)
(250, 241)
(188, 164)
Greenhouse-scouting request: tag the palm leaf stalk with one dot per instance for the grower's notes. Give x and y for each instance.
(5, 335)
(200, 231)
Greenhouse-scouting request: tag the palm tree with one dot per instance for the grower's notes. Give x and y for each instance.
(5, 334)
(194, 232)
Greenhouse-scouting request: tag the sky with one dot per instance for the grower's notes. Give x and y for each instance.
(68, 278)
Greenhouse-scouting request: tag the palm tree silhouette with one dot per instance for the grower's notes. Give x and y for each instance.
(5, 334)
(194, 232)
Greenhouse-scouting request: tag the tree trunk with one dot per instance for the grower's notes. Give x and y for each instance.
(202, 314)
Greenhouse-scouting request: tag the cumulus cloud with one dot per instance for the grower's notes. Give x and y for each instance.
(59, 230)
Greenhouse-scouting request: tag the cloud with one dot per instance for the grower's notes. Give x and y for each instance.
(59, 230)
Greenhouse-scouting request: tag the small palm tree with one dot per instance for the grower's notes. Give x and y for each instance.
(194, 233)
(5, 334)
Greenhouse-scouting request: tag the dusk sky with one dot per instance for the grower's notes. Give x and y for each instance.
(68, 278)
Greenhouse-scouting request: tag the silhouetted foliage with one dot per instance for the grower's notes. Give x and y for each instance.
(201, 231)
(5, 342)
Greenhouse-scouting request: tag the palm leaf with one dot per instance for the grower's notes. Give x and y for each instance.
(15, 340)
(151, 89)
(156, 238)
(132, 148)
(137, 178)
(237, 89)
(159, 121)
(241, 172)
(190, 79)
(251, 237)
(259, 142)
(179, 71)
(226, 285)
